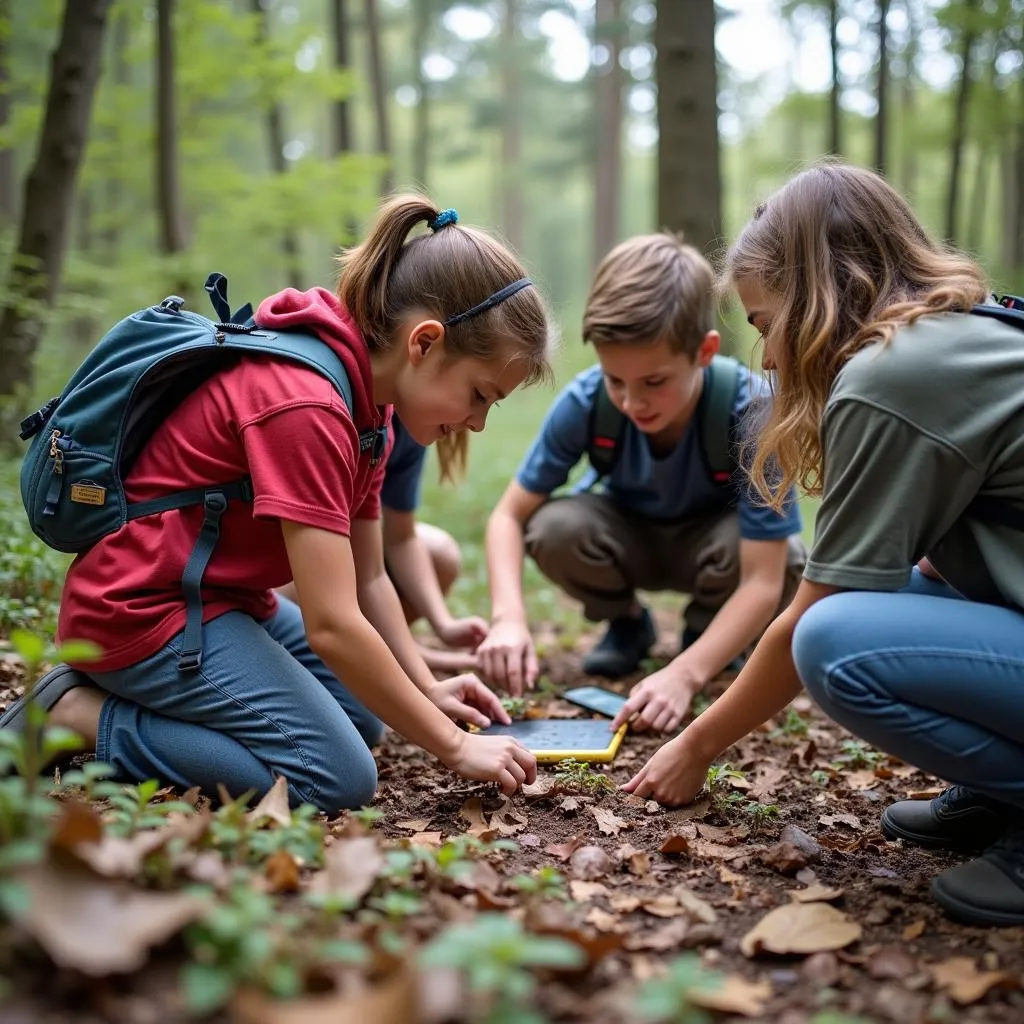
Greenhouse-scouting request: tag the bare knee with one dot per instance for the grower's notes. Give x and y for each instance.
(444, 553)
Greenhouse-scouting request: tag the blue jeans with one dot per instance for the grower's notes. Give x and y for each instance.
(925, 675)
(262, 704)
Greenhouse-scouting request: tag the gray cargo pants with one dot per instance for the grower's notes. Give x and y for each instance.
(601, 554)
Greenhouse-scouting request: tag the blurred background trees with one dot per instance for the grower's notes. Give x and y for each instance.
(255, 136)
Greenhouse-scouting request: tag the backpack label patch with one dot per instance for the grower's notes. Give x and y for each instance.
(88, 494)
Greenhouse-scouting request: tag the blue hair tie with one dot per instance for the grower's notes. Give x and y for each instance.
(443, 219)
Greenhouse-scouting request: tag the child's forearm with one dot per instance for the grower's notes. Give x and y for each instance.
(767, 683)
(360, 658)
(505, 554)
(413, 573)
(379, 603)
(737, 624)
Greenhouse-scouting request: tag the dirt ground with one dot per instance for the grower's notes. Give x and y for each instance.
(659, 883)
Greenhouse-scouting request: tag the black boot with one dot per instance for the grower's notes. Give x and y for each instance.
(691, 636)
(626, 643)
(990, 889)
(958, 819)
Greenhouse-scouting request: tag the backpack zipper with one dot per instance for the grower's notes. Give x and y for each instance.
(53, 492)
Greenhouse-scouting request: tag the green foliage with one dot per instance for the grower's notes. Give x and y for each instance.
(243, 841)
(544, 882)
(514, 706)
(793, 724)
(368, 816)
(699, 705)
(669, 998)
(496, 955)
(857, 754)
(820, 777)
(248, 940)
(760, 814)
(133, 809)
(578, 777)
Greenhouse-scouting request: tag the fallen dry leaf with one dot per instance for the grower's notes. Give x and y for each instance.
(891, 962)
(78, 823)
(864, 778)
(766, 781)
(623, 903)
(734, 995)
(965, 983)
(675, 843)
(608, 821)
(472, 811)
(730, 877)
(428, 839)
(507, 819)
(582, 891)
(282, 872)
(274, 804)
(570, 804)
(351, 867)
(801, 928)
(727, 836)
(602, 920)
(391, 1002)
(914, 930)
(925, 794)
(663, 906)
(697, 908)
(831, 820)
(97, 925)
(416, 825)
(669, 936)
(589, 862)
(116, 857)
(816, 894)
(563, 851)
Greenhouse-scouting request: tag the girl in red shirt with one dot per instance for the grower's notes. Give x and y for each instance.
(440, 327)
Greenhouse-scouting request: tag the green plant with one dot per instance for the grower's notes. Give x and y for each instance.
(699, 705)
(93, 780)
(857, 754)
(792, 724)
(514, 706)
(367, 816)
(820, 777)
(397, 904)
(243, 841)
(133, 809)
(544, 883)
(248, 940)
(495, 956)
(760, 814)
(579, 777)
(670, 998)
(836, 1017)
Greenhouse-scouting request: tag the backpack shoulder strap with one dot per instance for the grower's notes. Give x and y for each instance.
(605, 428)
(1009, 309)
(715, 416)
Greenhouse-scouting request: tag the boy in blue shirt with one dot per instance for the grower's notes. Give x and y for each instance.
(664, 518)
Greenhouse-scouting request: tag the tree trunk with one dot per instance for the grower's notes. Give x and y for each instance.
(689, 178)
(908, 150)
(511, 129)
(1016, 218)
(121, 30)
(290, 247)
(172, 218)
(7, 173)
(378, 80)
(421, 124)
(50, 188)
(963, 92)
(608, 31)
(882, 91)
(835, 124)
(342, 61)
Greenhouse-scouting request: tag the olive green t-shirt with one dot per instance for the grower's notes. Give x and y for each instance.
(912, 431)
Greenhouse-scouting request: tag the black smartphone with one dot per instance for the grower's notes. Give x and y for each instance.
(593, 698)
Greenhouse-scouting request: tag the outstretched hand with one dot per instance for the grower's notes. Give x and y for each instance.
(464, 698)
(673, 776)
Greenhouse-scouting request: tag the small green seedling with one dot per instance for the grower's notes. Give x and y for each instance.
(820, 777)
(543, 883)
(717, 782)
(132, 809)
(670, 999)
(397, 905)
(857, 754)
(496, 956)
(578, 777)
(761, 814)
(793, 724)
(514, 706)
(367, 816)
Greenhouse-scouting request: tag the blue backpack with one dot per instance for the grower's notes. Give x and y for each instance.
(72, 478)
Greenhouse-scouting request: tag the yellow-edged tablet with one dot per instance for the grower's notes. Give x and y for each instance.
(553, 739)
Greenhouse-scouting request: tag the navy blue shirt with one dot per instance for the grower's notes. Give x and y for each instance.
(401, 489)
(673, 486)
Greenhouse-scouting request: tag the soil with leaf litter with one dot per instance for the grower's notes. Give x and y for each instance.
(774, 898)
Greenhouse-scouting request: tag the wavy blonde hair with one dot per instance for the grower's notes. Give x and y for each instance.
(452, 456)
(849, 264)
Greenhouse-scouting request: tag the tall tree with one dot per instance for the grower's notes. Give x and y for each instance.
(50, 187)
(968, 37)
(7, 182)
(609, 32)
(689, 175)
(274, 116)
(421, 24)
(378, 81)
(907, 93)
(511, 127)
(835, 111)
(340, 30)
(173, 233)
(882, 90)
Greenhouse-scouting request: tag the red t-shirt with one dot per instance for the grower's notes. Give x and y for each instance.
(287, 428)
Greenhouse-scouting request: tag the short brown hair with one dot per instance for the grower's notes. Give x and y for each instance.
(649, 288)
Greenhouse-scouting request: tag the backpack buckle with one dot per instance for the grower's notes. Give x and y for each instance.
(32, 424)
(172, 304)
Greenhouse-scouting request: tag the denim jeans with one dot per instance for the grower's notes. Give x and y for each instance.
(925, 675)
(261, 705)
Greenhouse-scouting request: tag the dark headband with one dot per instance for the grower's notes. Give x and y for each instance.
(490, 302)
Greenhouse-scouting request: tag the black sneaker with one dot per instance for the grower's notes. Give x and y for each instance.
(626, 643)
(990, 889)
(957, 819)
(47, 691)
(691, 636)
